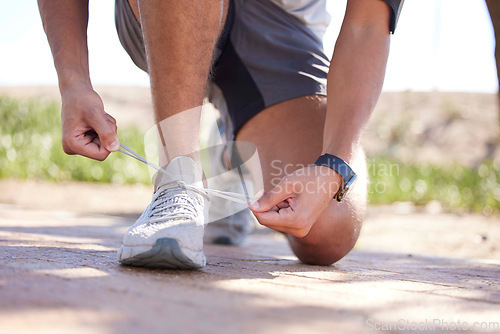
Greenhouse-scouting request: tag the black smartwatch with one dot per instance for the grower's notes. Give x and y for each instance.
(343, 169)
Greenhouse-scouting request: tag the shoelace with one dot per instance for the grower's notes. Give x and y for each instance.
(181, 204)
(228, 195)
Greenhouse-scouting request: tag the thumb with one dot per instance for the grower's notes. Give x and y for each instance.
(106, 130)
(271, 198)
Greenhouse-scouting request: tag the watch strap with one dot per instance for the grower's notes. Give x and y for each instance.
(343, 169)
(338, 165)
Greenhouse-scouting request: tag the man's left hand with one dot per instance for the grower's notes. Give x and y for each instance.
(294, 205)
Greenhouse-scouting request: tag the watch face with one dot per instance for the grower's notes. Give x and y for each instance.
(347, 187)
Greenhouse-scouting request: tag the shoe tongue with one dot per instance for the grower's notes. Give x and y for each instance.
(181, 169)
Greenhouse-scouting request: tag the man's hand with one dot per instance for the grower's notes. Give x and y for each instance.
(86, 128)
(294, 205)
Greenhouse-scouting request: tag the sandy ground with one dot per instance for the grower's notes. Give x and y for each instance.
(59, 274)
(400, 227)
(436, 127)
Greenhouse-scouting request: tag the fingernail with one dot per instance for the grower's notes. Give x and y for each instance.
(254, 204)
(115, 146)
(259, 194)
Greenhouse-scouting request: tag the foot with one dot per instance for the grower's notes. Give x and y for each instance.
(231, 230)
(229, 222)
(169, 234)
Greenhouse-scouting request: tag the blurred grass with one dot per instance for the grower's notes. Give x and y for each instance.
(30, 147)
(456, 187)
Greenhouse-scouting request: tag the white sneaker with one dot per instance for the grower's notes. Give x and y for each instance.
(169, 234)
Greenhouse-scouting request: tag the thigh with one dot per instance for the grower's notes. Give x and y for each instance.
(130, 35)
(287, 135)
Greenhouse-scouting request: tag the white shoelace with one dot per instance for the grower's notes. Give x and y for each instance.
(171, 200)
(230, 196)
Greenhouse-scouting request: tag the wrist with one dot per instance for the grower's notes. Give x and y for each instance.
(73, 79)
(346, 152)
(70, 88)
(342, 169)
(333, 179)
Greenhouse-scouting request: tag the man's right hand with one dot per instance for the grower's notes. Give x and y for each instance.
(86, 128)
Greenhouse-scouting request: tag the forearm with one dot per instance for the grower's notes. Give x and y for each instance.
(354, 84)
(65, 23)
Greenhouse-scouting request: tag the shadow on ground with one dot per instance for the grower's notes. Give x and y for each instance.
(59, 272)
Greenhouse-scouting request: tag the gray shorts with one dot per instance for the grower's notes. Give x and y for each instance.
(265, 56)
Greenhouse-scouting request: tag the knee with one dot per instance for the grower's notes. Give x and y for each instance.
(334, 234)
(332, 247)
(321, 257)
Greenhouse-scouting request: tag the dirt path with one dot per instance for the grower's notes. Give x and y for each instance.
(58, 274)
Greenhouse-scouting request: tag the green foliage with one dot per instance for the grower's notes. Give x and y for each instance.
(454, 186)
(30, 147)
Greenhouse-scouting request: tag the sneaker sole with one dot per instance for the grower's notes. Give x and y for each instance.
(165, 254)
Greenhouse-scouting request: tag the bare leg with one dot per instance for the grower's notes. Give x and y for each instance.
(286, 143)
(179, 37)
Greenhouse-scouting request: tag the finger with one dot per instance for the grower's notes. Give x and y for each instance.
(285, 220)
(273, 197)
(106, 130)
(112, 121)
(282, 205)
(90, 146)
(110, 118)
(290, 214)
(276, 218)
